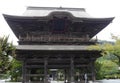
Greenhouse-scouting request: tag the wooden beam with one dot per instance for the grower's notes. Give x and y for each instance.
(57, 60)
(35, 75)
(56, 66)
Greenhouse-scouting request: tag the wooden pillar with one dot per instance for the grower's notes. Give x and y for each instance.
(24, 72)
(29, 72)
(45, 70)
(72, 70)
(65, 75)
(93, 71)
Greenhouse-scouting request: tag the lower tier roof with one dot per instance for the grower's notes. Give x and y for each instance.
(53, 47)
(56, 51)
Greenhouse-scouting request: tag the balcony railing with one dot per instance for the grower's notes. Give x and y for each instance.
(50, 37)
(53, 38)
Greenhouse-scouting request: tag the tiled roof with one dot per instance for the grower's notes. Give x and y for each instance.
(45, 11)
(53, 47)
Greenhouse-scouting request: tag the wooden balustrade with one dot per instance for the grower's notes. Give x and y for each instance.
(54, 38)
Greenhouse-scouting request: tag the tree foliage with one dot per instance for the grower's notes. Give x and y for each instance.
(107, 66)
(16, 71)
(9, 66)
(7, 51)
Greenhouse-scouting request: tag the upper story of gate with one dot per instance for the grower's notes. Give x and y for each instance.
(56, 25)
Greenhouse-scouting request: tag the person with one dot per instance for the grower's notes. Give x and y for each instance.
(85, 76)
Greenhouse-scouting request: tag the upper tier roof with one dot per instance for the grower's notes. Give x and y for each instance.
(35, 16)
(45, 11)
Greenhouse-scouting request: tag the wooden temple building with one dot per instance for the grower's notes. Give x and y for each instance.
(53, 43)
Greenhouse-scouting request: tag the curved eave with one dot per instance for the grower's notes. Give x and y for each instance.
(26, 18)
(11, 20)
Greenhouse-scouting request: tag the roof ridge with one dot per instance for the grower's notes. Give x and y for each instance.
(53, 8)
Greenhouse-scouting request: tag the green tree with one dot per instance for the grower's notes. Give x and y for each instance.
(107, 65)
(16, 71)
(116, 50)
(7, 51)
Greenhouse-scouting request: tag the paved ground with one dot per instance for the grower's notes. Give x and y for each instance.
(109, 81)
(99, 81)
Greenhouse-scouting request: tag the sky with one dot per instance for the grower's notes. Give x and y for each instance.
(96, 8)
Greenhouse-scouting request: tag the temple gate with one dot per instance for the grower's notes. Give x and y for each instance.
(53, 43)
